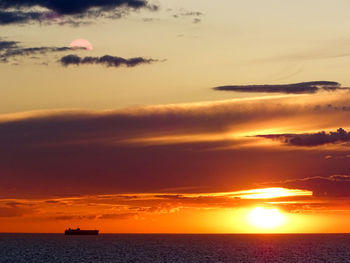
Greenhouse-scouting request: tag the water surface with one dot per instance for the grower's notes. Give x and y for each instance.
(174, 248)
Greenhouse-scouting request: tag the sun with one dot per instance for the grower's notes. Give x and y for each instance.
(81, 43)
(266, 218)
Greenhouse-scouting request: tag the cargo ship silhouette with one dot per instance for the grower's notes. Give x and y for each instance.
(78, 231)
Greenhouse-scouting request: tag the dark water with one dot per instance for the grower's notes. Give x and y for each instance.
(174, 248)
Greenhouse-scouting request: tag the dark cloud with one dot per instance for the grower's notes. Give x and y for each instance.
(19, 52)
(12, 49)
(107, 60)
(5, 45)
(332, 186)
(19, 12)
(330, 106)
(296, 88)
(72, 6)
(18, 17)
(311, 139)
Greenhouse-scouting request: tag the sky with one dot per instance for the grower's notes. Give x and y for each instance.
(142, 116)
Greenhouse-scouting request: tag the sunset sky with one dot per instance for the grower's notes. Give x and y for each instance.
(175, 116)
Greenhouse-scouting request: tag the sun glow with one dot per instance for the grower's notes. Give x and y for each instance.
(266, 218)
(273, 192)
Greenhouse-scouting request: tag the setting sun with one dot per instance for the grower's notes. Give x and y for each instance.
(174, 131)
(266, 218)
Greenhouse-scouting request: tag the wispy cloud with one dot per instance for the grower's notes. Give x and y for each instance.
(140, 150)
(195, 15)
(295, 88)
(125, 206)
(333, 49)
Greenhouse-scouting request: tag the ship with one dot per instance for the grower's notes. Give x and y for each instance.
(78, 231)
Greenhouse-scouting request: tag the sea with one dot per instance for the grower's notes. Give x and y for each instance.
(175, 248)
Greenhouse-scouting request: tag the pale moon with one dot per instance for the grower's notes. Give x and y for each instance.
(81, 43)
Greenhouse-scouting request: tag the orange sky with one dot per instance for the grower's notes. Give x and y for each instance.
(174, 213)
(179, 168)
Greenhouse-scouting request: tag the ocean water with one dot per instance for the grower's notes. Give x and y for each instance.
(174, 248)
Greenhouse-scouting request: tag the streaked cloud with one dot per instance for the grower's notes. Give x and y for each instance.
(4, 45)
(107, 60)
(333, 186)
(295, 88)
(311, 139)
(10, 50)
(140, 150)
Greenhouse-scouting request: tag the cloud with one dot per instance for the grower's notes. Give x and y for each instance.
(13, 209)
(121, 207)
(183, 13)
(18, 17)
(296, 88)
(332, 186)
(149, 19)
(119, 216)
(73, 217)
(313, 139)
(15, 52)
(12, 49)
(201, 146)
(19, 12)
(107, 60)
(196, 15)
(5, 45)
(332, 49)
(72, 6)
(11, 212)
(197, 20)
(9, 50)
